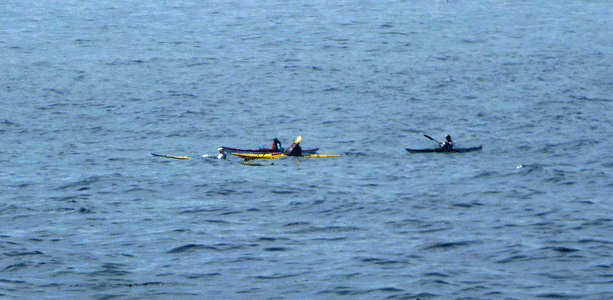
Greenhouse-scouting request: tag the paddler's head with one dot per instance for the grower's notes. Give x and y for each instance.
(448, 138)
(220, 150)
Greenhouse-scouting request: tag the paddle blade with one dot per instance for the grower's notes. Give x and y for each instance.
(298, 140)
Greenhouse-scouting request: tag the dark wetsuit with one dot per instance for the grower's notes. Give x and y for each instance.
(295, 150)
(448, 146)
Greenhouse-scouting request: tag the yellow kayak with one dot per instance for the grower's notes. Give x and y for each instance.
(251, 156)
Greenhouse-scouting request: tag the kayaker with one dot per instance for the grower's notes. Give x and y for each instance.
(276, 145)
(221, 154)
(448, 144)
(295, 149)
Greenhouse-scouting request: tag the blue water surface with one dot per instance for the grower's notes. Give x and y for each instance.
(89, 89)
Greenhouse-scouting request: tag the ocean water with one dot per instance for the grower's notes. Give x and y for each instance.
(89, 89)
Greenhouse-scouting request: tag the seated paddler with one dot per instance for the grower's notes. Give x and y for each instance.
(221, 154)
(276, 145)
(448, 145)
(295, 149)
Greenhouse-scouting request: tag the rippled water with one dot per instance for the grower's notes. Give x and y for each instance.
(90, 88)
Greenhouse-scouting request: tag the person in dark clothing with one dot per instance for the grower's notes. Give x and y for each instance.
(295, 149)
(276, 145)
(448, 144)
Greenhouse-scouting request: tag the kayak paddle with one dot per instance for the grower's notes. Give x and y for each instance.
(171, 156)
(430, 138)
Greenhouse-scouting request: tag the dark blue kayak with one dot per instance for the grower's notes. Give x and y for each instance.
(440, 150)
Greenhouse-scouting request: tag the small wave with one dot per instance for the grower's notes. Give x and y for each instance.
(596, 241)
(195, 247)
(356, 153)
(342, 291)
(530, 168)
(296, 224)
(277, 276)
(111, 270)
(277, 249)
(389, 290)
(467, 205)
(585, 98)
(382, 261)
(126, 62)
(413, 296)
(516, 258)
(199, 210)
(15, 267)
(608, 164)
(17, 253)
(57, 91)
(220, 192)
(486, 174)
(109, 273)
(558, 296)
(217, 221)
(435, 274)
(333, 229)
(434, 227)
(190, 248)
(267, 239)
(8, 123)
(449, 245)
(112, 284)
(562, 249)
(82, 184)
(183, 95)
(283, 192)
(84, 210)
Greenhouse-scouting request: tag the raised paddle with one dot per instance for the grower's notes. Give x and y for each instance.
(430, 138)
(298, 140)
